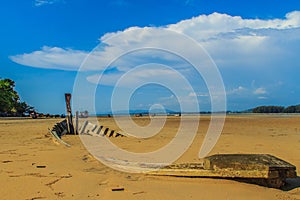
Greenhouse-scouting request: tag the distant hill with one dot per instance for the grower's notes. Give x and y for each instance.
(144, 112)
(277, 109)
(259, 109)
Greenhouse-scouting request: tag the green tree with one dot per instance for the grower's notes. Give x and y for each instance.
(268, 109)
(10, 100)
(292, 109)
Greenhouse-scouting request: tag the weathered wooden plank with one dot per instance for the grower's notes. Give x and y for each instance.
(270, 165)
(262, 169)
(99, 130)
(56, 137)
(96, 130)
(69, 114)
(111, 133)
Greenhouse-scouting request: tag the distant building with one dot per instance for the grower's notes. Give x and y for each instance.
(84, 114)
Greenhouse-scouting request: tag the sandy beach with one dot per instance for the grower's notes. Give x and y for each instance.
(35, 166)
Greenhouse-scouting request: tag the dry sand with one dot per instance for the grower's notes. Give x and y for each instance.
(34, 166)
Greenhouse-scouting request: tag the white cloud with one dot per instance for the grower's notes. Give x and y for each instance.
(231, 41)
(52, 57)
(238, 90)
(191, 103)
(260, 91)
(45, 2)
(208, 26)
(194, 94)
(235, 42)
(139, 76)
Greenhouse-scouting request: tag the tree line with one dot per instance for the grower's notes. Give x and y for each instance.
(10, 103)
(277, 109)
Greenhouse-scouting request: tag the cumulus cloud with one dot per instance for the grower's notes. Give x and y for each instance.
(230, 40)
(216, 24)
(260, 45)
(233, 41)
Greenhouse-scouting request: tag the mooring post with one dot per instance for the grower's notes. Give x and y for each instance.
(69, 113)
(76, 122)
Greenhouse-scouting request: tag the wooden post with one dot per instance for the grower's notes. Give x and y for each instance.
(69, 113)
(76, 123)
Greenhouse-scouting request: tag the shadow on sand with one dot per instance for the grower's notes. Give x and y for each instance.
(291, 183)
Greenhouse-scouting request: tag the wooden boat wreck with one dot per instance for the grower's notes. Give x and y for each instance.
(261, 169)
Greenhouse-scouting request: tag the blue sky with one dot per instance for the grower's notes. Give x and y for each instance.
(254, 44)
